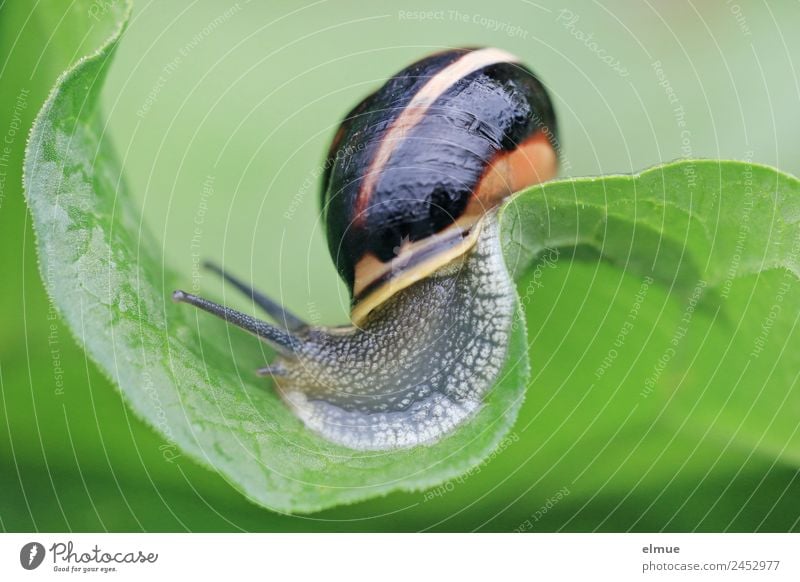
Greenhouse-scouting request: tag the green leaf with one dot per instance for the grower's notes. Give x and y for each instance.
(198, 387)
(664, 332)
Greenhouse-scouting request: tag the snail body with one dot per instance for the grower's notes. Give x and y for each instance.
(414, 178)
(418, 366)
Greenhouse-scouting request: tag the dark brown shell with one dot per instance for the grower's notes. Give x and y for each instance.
(415, 165)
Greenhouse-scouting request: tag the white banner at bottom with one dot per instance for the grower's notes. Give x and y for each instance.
(402, 557)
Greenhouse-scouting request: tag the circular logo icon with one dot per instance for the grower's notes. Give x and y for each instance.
(31, 555)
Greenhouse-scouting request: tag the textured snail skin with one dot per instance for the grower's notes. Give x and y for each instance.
(419, 366)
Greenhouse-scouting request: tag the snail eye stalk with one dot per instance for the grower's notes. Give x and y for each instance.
(272, 308)
(282, 340)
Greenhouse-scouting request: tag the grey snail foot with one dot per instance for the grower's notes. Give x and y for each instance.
(415, 370)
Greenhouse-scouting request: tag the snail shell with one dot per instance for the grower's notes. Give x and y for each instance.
(414, 178)
(416, 164)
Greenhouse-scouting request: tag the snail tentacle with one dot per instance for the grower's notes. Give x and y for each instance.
(286, 343)
(274, 370)
(272, 308)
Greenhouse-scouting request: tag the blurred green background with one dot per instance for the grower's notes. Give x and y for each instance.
(246, 95)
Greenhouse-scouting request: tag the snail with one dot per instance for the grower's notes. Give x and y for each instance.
(413, 181)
